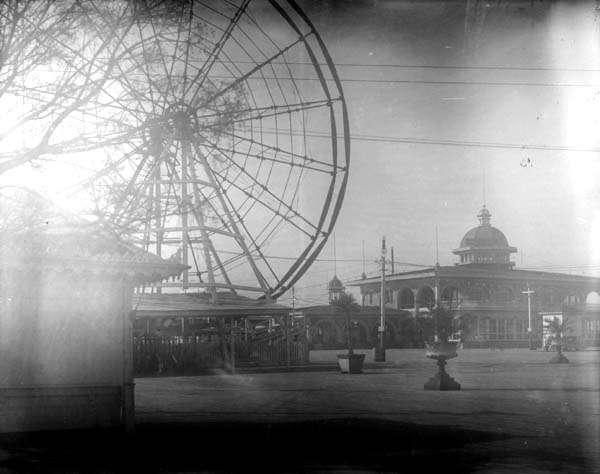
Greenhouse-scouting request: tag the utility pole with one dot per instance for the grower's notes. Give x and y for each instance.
(437, 246)
(529, 334)
(364, 272)
(380, 351)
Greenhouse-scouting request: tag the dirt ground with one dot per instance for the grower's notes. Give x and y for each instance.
(515, 413)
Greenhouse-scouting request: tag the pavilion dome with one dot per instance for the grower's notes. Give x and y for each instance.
(485, 243)
(484, 236)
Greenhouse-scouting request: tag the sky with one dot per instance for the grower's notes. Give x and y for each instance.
(548, 207)
(538, 85)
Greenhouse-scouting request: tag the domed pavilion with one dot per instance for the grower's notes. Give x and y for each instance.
(485, 286)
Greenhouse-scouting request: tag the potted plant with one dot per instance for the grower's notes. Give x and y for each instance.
(350, 363)
(556, 328)
(436, 331)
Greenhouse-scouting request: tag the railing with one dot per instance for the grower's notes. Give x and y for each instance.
(189, 355)
(282, 350)
(498, 344)
(175, 355)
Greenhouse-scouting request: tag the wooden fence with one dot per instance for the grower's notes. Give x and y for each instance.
(275, 350)
(175, 355)
(190, 355)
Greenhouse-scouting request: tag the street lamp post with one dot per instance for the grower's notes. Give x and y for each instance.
(380, 351)
(529, 334)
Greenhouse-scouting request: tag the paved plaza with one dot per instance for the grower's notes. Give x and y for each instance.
(515, 413)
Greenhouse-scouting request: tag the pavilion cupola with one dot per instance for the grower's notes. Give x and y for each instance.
(484, 244)
(484, 216)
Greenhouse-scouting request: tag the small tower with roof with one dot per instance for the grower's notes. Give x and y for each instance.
(335, 288)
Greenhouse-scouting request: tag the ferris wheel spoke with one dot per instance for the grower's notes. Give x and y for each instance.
(225, 230)
(252, 239)
(264, 204)
(243, 48)
(200, 218)
(263, 187)
(211, 176)
(214, 55)
(173, 58)
(164, 64)
(133, 190)
(186, 59)
(209, 200)
(305, 161)
(138, 96)
(254, 70)
(232, 231)
(262, 157)
(135, 183)
(265, 56)
(262, 113)
(152, 85)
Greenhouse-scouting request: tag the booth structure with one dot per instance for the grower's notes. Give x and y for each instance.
(65, 331)
(185, 334)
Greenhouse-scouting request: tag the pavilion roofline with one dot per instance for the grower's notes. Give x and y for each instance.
(422, 273)
(365, 310)
(478, 271)
(490, 248)
(199, 305)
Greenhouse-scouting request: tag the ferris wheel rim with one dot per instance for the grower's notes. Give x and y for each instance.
(346, 132)
(340, 145)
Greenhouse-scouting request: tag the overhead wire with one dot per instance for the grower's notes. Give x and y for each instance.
(426, 82)
(445, 66)
(458, 143)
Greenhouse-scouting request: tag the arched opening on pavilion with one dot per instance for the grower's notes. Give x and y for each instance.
(450, 297)
(592, 299)
(425, 297)
(360, 335)
(406, 299)
(323, 334)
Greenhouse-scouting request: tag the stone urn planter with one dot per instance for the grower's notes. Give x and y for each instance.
(351, 363)
(441, 351)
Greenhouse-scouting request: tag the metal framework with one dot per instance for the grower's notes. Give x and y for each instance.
(216, 162)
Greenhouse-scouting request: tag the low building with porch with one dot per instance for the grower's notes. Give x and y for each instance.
(185, 334)
(326, 324)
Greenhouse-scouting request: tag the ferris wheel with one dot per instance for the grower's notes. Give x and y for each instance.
(234, 144)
